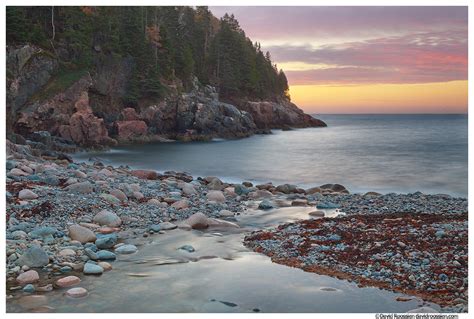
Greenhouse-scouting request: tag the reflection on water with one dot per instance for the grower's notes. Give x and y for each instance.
(383, 153)
(220, 276)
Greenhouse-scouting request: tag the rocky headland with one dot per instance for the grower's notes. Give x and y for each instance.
(85, 108)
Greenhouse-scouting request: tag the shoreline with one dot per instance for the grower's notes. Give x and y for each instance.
(58, 194)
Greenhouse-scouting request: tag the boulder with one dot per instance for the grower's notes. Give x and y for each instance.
(286, 188)
(67, 281)
(241, 189)
(110, 199)
(80, 188)
(188, 189)
(145, 174)
(215, 196)
(260, 193)
(81, 234)
(167, 226)
(335, 188)
(126, 249)
(299, 202)
(226, 213)
(92, 269)
(34, 256)
(317, 213)
(27, 194)
(119, 194)
(105, 242)
(28, 277)
(107, 218)
(78, 292)
(181, 204)
(313, 190)
(198, 221)
(17, 172)
(215, 184)
(266, 204)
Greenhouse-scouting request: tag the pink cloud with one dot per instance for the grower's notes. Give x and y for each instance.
(265, 23)
(399, 44)
(414, 58)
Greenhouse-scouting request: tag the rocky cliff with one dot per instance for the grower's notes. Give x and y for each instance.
(85, 108)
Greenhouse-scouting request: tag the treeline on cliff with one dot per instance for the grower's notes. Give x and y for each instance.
(168, 45)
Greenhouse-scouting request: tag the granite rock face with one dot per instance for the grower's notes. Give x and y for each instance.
(89, 111)
(279, 114)
(29, 69)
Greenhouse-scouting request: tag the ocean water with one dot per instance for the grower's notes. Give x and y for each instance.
(383, 153)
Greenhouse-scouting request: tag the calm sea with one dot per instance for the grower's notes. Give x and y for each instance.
(383, 153)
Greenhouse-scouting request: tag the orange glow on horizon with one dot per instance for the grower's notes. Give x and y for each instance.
(442, 97)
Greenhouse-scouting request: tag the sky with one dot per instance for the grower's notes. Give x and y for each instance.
(366, 59)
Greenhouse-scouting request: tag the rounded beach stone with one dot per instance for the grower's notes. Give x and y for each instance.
(126, 249)
(34, 256)
(215, 196)
(198, 221)
(81, 234)
(107, 218)
(68, 281)
(92, 269)
(27, 194)
(28, 277)
(119, 194)
(105, 265)
(317, 213)
(77, 292)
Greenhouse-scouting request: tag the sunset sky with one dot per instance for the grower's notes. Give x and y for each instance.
(366, 59)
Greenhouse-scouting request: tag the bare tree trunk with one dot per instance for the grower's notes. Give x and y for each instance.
(146, 21)
(155, 21)
(52, 23)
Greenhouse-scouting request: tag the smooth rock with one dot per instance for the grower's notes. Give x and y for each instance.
(29, 288)
(215, 196)
(67, 252)
(181, 204)
(105, 265)
(92, 269)
(81, 234)
(80, 188)
(167, 226)
(317, 213)
(145, 174)
(105, 255)
(107, 241)
(77, 292)
(119, 194)
(111, 199)
(126, 249)
(107, 218)
(68, 281)
(26, 194)
(27, 277)
(266, 204)
(197, 221)
(34, 256)
(188, 248)
(188, 189)
(226, 213)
